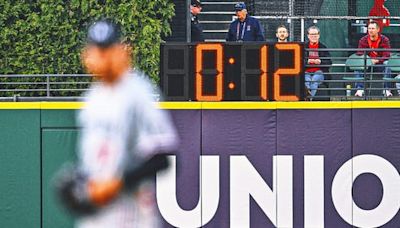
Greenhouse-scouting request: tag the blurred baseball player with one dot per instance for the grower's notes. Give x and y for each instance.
(123, 143)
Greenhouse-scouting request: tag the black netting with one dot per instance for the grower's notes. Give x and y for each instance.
(343, 22)
(322, 7)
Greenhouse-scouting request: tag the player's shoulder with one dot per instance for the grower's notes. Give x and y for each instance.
(138, 86)
(138, 80)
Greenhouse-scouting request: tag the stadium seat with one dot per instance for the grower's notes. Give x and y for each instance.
(394, 62)
(357, 63)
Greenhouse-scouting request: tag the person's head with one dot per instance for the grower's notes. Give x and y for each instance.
(104, 55)
(282, 33)
(313, 34)
(373, 29)
(241, 11)
(195, 7)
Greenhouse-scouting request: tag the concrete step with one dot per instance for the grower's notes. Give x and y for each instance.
(218, 12)
(216, 22)
(216, 31)
(219, 2)
(216, 17)
(211, 1)
(218, 6)
(214, 35)
(215, 26)
(219, 32)
(215, 40)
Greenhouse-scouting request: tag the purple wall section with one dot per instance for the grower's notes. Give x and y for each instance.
(338, 135)
(375, 132)
(240, 132)
(188, 123)
(315, 132)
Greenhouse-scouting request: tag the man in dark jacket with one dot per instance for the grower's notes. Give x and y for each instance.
(314, 73)
(374, 40)
(196, 28)
(244, 28)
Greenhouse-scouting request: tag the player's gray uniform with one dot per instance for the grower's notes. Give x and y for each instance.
(119, 122)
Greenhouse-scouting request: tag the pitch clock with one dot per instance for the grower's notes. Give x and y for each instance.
(232, 71)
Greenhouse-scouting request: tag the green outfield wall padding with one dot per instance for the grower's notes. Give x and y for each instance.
(58, 147)
(20, 168)
(58, 118)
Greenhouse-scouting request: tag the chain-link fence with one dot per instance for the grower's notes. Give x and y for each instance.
(324, 7)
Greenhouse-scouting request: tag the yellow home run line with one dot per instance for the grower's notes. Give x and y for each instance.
(219, 105)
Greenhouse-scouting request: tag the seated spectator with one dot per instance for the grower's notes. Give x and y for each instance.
(375, 40)
(282, 33)
(315, 74)
(244, 28)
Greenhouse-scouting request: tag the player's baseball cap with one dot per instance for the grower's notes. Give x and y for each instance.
(103, 33)
(196, 3)
(240, 6)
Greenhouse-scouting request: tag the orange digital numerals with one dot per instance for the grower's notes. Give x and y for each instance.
(287, 71)
(264, 70)
(218, 48)
(199, 69)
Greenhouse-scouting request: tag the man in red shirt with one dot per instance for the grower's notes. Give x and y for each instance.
(317, 60)
(374, 40)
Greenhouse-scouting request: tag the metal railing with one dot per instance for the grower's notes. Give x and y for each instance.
(33, 87)
(340, 80)
(335, 86)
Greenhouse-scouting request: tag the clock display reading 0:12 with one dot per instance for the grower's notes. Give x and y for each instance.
(232, 71)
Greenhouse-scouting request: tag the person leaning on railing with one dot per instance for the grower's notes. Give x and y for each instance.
(374, 40)
(314, 73)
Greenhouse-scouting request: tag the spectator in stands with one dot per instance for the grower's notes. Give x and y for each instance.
(314, 73)
(375, 40)
(282, 33)
(196, 27)
(244, 28)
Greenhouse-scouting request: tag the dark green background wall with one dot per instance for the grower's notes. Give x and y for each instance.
(34, 143)
(20, 168)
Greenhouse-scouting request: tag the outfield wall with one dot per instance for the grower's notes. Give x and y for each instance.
(297, 161)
